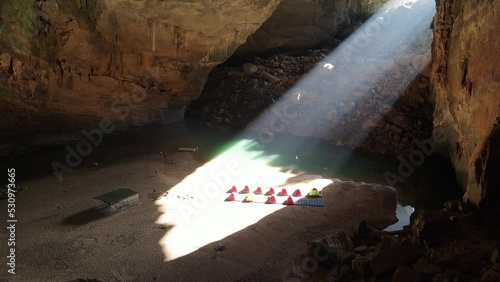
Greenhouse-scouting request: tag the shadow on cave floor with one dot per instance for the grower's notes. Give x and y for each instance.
(118, 148)
(86, 216)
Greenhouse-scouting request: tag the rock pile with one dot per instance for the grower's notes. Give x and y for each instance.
(454, 244)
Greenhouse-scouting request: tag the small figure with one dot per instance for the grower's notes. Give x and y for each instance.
(94, 166)
(221, 247)
(156, 171)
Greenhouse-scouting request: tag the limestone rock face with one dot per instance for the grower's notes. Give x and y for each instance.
(67, 64)
(299, 24)
(466, 78)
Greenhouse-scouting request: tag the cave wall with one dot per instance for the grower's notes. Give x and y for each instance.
(69, 63)
(300, 24)
(466, 79)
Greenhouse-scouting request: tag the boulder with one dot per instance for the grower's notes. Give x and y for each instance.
(390, 258)
(405, 274)
(250, 69)
(430, 225)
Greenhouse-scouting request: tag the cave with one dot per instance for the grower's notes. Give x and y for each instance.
(282, 140)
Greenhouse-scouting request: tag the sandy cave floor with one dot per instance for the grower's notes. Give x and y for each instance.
(153, 241)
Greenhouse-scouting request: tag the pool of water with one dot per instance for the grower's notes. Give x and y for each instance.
(297, 153)
(403, 213)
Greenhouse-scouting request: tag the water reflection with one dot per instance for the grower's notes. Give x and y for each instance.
(403, 213)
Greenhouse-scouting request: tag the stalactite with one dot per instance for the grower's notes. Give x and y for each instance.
(153, 45)
(176, 40)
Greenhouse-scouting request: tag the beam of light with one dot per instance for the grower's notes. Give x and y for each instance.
(342, 83)
(357, 65)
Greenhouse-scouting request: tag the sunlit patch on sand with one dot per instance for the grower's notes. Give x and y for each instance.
(194, 203)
